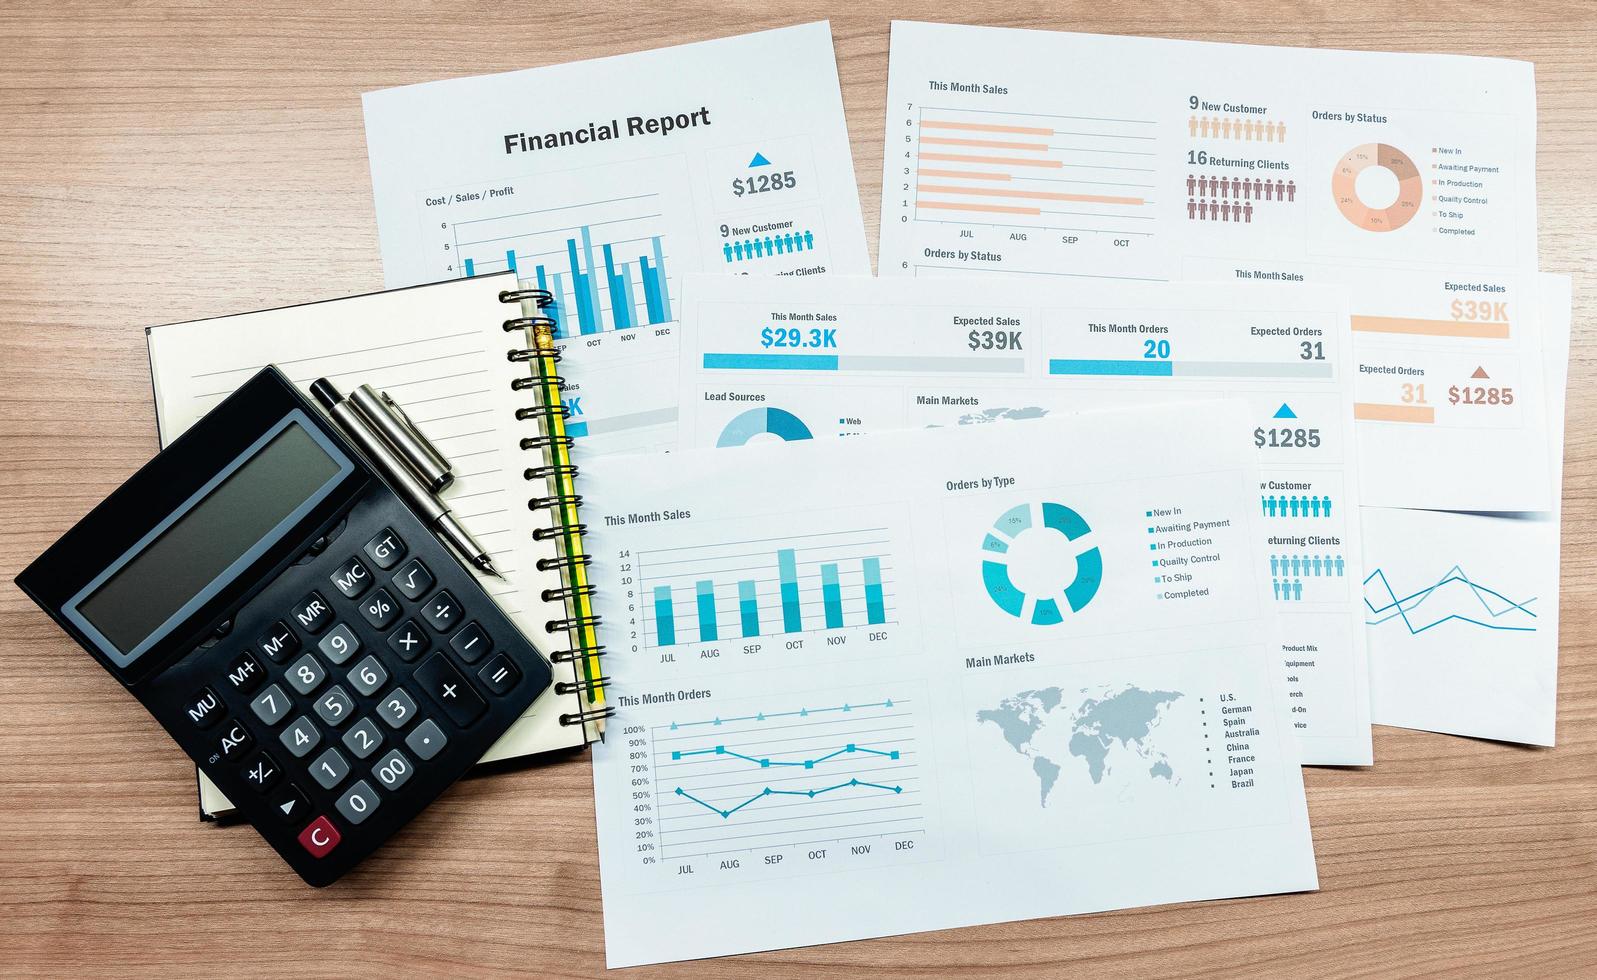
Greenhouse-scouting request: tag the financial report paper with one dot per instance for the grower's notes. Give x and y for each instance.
(768, 360)
(833, 725)
(606, 181)
(1462, 609)
(1409, 179)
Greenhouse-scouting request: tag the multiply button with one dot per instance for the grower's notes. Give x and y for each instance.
(443, 683)
(386, 549)
(320, 837)
(351, 578)
(408, 641)
(313, 614)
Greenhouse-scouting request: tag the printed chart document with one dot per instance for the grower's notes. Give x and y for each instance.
(763, 360)
(930, 679)
(1410, 179)
(606, 181)
(1463, 608)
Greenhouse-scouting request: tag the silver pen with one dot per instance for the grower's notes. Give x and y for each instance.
(404, 480)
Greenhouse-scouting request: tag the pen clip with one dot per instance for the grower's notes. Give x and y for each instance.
(410, 444)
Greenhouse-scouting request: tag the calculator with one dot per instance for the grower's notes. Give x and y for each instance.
(294, 625)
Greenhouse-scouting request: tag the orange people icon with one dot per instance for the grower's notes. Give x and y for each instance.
(1225, 128)
(1203, 126)
(1247, 129)
(1192, 125)
(1280, 132)
(1291, 191)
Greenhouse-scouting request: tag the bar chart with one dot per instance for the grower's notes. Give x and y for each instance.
(604, 261)
(745, 589)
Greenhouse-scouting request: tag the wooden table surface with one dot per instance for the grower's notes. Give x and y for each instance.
(166, 160)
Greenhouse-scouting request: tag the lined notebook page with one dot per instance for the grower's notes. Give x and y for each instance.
(440, 352)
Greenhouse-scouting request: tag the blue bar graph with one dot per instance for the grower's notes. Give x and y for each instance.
(875, 608)
(510, 258)
(659, 282)
(705, 590)
(471, 268)
(749, 608)
(828, 580)
(787, 566)
(831, 596)
(665, 629)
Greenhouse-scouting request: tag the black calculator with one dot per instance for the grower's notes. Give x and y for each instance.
(292, 623)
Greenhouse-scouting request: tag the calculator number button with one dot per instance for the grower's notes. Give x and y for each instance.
(427, 740)
(397, 709)
(413, 579)
(499, 675)
(339, 644)
(358, 802)
(234, 741)
(351, 578)
(471, 643)
(443, 683)
(320, 837)
(245, 673)
(261, 772)
(204, 708)
(313, 613)
(380, 609)
(335, 707)
(270, 705)
(368, 677)
(442, 612)
(329, 769)
(386, 549)
(307, 674)
(393, 770)
(278, 643)
(363, 739)
(300, 737)
(408, 641)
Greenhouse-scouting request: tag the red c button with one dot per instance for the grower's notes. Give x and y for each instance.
(320, 837)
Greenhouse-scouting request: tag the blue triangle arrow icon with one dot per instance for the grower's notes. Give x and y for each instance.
(759, 161)
(1285, 412)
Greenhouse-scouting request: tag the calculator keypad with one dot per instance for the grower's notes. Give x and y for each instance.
(340, 713)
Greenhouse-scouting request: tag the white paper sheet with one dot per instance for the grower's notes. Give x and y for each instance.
(832, 725)
(1410, 179)
(606, 181)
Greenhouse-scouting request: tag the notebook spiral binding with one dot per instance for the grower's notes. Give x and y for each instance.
(551, 443)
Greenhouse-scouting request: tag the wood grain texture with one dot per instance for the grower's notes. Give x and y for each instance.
(164, 160)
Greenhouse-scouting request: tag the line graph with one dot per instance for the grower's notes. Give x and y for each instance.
(1479, 608)
(791, 778)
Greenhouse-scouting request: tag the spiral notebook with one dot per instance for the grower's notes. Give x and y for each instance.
(474, 364)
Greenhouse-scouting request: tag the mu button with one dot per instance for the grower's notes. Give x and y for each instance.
(320, 837)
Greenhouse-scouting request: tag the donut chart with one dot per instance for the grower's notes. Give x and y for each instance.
(1007, 596)
(1344, 189)
(761, 421)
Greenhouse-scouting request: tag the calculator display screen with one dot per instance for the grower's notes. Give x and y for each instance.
(189, 556)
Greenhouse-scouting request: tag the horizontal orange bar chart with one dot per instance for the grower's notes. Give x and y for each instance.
(982, 208)
(1372, 412)
(989, 144)
(1029, 195)
(970, 127)
(1429, 328)
(1006, 161)
(971, 174)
